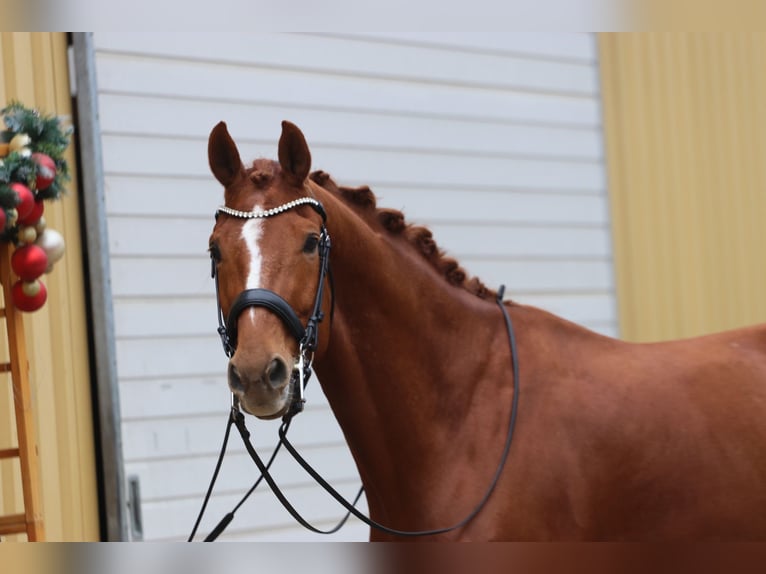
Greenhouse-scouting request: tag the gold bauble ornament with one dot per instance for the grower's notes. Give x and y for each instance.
(27, 234)
(19, 142)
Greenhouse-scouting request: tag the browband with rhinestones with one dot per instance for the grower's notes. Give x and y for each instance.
(260, 214)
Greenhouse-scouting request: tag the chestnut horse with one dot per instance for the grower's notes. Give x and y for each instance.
(614, 441)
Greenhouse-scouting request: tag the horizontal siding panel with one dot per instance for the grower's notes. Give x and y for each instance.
(165, 116)
(185, 237)
(201, 396)
(498, 207)
(541, 275)
(189, 477)
(219, 85)
(199, 197)
(175, 236)
(586, 308)
(161, 197)
(353, 531)
(176, 357)
(189, 396)
(579, 272)
(348, 56)
(195, 316)
(165, 157)
(169, 357)
(173, 519)
(180, 317)
(161, 277)
(201, 435)
(197, 313)
(468, 241)
(562, 46)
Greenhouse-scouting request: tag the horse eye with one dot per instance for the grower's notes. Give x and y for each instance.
(311, 244)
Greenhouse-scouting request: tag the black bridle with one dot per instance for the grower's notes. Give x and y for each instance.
(307, 338)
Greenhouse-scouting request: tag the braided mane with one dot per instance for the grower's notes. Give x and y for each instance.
(419, 237)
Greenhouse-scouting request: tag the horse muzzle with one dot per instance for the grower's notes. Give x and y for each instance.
(262, 387)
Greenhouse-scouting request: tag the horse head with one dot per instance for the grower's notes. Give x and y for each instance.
(268, 269)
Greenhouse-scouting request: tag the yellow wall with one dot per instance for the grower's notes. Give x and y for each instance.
(33, 70)
(685, 125)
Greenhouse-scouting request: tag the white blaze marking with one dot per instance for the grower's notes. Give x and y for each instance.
(251, 233)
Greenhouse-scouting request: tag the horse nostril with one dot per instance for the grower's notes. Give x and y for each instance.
(235, 381)
(276, 373)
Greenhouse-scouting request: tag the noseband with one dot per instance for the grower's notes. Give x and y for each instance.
(307, 337)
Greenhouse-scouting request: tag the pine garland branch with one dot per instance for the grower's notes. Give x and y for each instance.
(45, 136)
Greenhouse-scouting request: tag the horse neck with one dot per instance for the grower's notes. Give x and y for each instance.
(395, 315)
(398, 369)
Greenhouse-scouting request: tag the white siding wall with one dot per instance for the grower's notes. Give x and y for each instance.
(492, 140)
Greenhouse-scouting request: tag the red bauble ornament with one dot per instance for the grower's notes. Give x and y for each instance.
(25, 302)
(33, 216)
(26, 199)
(29, 262)
(46, 170)
(3, 219)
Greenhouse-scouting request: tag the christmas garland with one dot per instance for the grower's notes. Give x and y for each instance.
(32, 170)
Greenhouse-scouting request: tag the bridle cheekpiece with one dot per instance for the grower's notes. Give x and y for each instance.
(307, 337)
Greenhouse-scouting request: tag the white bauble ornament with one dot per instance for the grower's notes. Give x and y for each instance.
(52, 243)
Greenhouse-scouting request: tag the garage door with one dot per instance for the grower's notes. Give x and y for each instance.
(494, 141)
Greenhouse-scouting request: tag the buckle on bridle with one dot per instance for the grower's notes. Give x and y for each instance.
(301, 375)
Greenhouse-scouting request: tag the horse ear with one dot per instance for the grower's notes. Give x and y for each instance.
(294, 155)
(223, 156)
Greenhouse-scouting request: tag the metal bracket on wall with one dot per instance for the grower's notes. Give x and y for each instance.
(134, 508)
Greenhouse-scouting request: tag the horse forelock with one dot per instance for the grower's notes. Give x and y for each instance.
(394, 222)
(262, 173)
